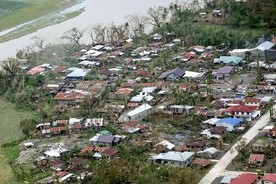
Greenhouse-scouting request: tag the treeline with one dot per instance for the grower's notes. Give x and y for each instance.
(248, 13)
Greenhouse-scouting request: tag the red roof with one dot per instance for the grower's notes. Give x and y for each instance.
(245, 178)
(255, 158)
(123, 91)
(69, 96)
(64, 122)
(201, 161)
(252, 100)
(77, 161)
(109, 152)
(76, 126)
(241, 108)
(36, 70)
(148, 84)
(128, 85)
(59, 69)
(142, 72)
(269, 177)
(132, 104)
(57, 129)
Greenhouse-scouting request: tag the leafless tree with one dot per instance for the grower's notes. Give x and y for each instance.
(90, 32)
(100, 32)
(137, 24)
(38, 42)
(118, 32)
(73, 35)
(157, 16)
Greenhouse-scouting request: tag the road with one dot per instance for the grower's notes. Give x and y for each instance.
(219, 168)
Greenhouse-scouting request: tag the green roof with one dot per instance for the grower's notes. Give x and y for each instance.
(230, 59)
(105, 132)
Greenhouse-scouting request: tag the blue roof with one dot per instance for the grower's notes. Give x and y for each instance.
(232, 121)
(265, 46)
(230, 59)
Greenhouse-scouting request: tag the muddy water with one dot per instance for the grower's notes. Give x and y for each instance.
(96, 11)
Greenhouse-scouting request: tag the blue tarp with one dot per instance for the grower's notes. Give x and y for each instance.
(232, 121)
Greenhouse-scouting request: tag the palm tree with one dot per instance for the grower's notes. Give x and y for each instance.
(10, 75)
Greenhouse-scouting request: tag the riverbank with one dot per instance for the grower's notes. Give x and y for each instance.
(17, 12)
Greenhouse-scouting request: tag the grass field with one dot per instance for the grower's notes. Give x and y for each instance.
(10, 119)
(30, 28)
(15, 12)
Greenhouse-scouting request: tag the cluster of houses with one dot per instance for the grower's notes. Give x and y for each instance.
(249, 178)
(72, 125)
(132, 92)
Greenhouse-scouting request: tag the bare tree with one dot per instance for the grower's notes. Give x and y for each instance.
(118, 32)
(137, 24)
(73, 35)
(157, 16)
(100, 32)
(38, 42)
(90, 31)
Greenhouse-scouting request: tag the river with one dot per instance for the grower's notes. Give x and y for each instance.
(96, 11)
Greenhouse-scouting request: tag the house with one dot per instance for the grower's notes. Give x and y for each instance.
(75, 124)
(197, 145)
(227, 179)
(250, 113)
(245, 178)
(105, 73)
(76, 74)
(251, 101)
(229, 123)
(270, 78)
(181, 109)
(223, 73)
(201, 162)
(123, 93)
(108, 152)
(260, 145)
(36, 70)
(268, 179)
(256, 159)
(207, 153)
(218, 130)
(173, 158)
(194, 76)
(77, 164)
(167, 145)
(105, 140)
(229, 60)
(43, 129)
(28, 145)
(57, 165)
(172, 75)
(139, 113)
(262, 48)
(132, 105)
(132, 127)
(95, 123)
(272, 132)
(71, 98)
(142, 98)
(56, 151)
(87, 63)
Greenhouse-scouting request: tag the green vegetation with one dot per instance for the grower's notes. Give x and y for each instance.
(10, 120)
(8, 153)
(16, 12)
